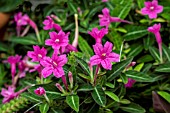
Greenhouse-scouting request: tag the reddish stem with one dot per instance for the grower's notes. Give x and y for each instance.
(65, 82)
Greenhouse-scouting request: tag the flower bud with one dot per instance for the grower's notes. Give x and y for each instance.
(59, 87)
(70, 76)
(39, 91)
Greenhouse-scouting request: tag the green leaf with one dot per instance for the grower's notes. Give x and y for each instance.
(135, 32)
(73, 102)
(24, 40)
(84, 76)
(53, 94)
(84, 47)
(44, 108)
(32, 97)
(56, 110)
(85, 87)
(99, 96)
(118, 68)
(112, 95)
(115, 38)
(136, 50)
(72, 7)
(133, 108)
(140, 3)
(139, 67)
(163, 68)
(166, 51)
(83, 64)
(165, 95)
(125, 101)
(122, 9)
(138, 76)
(155, 53)
(145, 58)
(124, 78)
(111, 85)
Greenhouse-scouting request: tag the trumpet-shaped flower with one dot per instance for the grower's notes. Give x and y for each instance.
(8, 94)
(49, 24)
(13, 60)
(39, 91)
(53, 65)
(106, 19)
(104, 55)
(38, 54)
(98, 34)
(57, 40)
(21, 20)
(152, 9)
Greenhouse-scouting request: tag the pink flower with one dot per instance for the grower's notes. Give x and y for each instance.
(39, 91)
(106, 19)
(38, 54)
(37, 68)
(21, 20)
(53, 65)
(8, 94)
(22, 69)
(130, 83)
(152, 9)
(104, 55)
(155, 30)
(98, 34)
(104, 0)
(13, 60)
(57, 40)
(49, 24)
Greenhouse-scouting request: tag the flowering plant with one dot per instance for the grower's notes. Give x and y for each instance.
(92, 58)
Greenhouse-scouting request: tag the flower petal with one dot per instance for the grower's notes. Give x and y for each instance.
(98, 48)
(58, 72)
(108, 47)
(94, 60)
(47, 71)
(106, 64)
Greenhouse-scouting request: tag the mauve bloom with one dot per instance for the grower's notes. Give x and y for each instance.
(8, 94)
(57, 40)
(37, 54)
(22, 69)
(21, 20)
(130, 83)
(106, 19)
(49, 24)
(152, 9)
(39, 91)
(104, 0)
(104, 55)
(37, 68)
(155, 30)
(13, 60)
(69, 48)
(53, 65)
(98, 34)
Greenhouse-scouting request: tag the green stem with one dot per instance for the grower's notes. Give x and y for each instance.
(38, 35)
(47, 99)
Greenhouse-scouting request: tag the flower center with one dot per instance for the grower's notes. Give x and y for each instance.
(55, 63)
(104, 54)
(152, 8)
(57, 40)
(39, 55)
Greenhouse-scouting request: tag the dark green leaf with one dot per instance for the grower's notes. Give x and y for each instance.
(24, 40)
(135, 51)
(112, 95)
(73, 102)
(99, 96)
(155, 53)
(32, 98)
(85, 88)
(166, 51)
(145, 58)
(163, 68)
(133, 108)
(118, 68)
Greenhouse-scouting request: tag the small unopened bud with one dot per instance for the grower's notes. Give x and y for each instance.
(55, 17)
(130, 65)
(59, 87)
(39, 91)
(70, 76)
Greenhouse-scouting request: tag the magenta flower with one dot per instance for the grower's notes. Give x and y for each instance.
(98, 34)
(106, 19)
(38, 54)
(21, 20)
(155, 30)
(13, 60)
(104, 0)
(152, 9)
(39, 91)
(8, 94)
(57, 40)
(53, 65)
(22, 69)
(49, 24)
(104, 55)
(130, 83)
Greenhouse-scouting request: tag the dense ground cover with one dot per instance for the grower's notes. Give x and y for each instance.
(86, 56)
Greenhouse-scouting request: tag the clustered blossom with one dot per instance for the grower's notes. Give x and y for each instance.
(98, 34)
(104, 55)
(53, 65)
(49, 24)
(39, 91)
(152, 9)
(106, 19)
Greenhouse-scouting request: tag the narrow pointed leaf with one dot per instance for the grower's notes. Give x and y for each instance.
(99, 96)
(118, 68)
(163, 68)
(73, 102)
(154, 52)
(165, 95)
(44, 108)
(112, 95)
(133, 108)
(166, 51)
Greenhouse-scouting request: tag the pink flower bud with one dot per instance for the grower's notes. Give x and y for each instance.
(59, 87)
(70, 76)
(39, 91)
